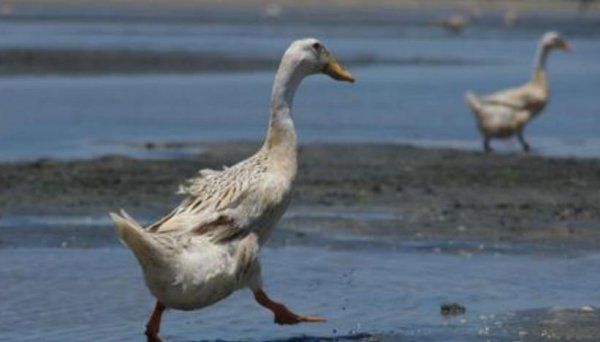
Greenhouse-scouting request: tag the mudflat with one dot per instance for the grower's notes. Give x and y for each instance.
(373, 189)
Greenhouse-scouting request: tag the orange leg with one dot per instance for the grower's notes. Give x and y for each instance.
(282, 314)
(153, 325)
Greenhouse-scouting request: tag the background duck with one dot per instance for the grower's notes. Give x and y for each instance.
(510, 17)
(505, 113)
(455, 23)
(208, 247)
(458, 22)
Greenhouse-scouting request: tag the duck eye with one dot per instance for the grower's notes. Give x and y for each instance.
(316, 46)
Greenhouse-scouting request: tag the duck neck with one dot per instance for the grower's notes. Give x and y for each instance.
(539, 72)
(281, 136)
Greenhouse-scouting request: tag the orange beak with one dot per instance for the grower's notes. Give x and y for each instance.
(563, 45)
(336, 71)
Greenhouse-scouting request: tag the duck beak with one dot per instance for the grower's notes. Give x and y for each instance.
(336, 71)
(563, 45)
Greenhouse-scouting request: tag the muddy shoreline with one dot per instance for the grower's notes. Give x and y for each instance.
(418, 193)
(31, 61)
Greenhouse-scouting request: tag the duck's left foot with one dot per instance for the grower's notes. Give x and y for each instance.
(283, 316)
(153, 325)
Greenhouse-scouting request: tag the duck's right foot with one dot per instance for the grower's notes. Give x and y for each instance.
(283, 316)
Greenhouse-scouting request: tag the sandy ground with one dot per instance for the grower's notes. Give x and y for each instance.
(400, 191)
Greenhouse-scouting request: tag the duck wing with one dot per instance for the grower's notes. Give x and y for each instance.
(516, 98)
(217, 203)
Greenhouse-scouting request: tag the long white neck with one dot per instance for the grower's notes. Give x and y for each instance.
(539, 70)
(282, 134)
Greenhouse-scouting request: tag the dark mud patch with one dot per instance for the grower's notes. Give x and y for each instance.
(32, 61)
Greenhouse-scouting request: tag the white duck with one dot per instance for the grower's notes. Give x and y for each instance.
(505, 113)
(510, 17)
(208, 247)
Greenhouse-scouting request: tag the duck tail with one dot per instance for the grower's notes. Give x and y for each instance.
(473, 101)
(132, 235)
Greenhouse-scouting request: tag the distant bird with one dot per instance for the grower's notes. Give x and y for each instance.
(272, 10)
(455, 23)
(505, 113)
(510, 17)
(208, 247)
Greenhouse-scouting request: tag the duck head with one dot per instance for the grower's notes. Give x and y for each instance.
(553, 40)
(309, 56)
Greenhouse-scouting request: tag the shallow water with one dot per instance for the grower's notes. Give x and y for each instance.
(82, 294)
(411, 102)
(387, 288)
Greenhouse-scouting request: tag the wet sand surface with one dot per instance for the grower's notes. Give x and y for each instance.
(377, 189)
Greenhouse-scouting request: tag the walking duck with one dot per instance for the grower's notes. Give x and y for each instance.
(208, 246)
